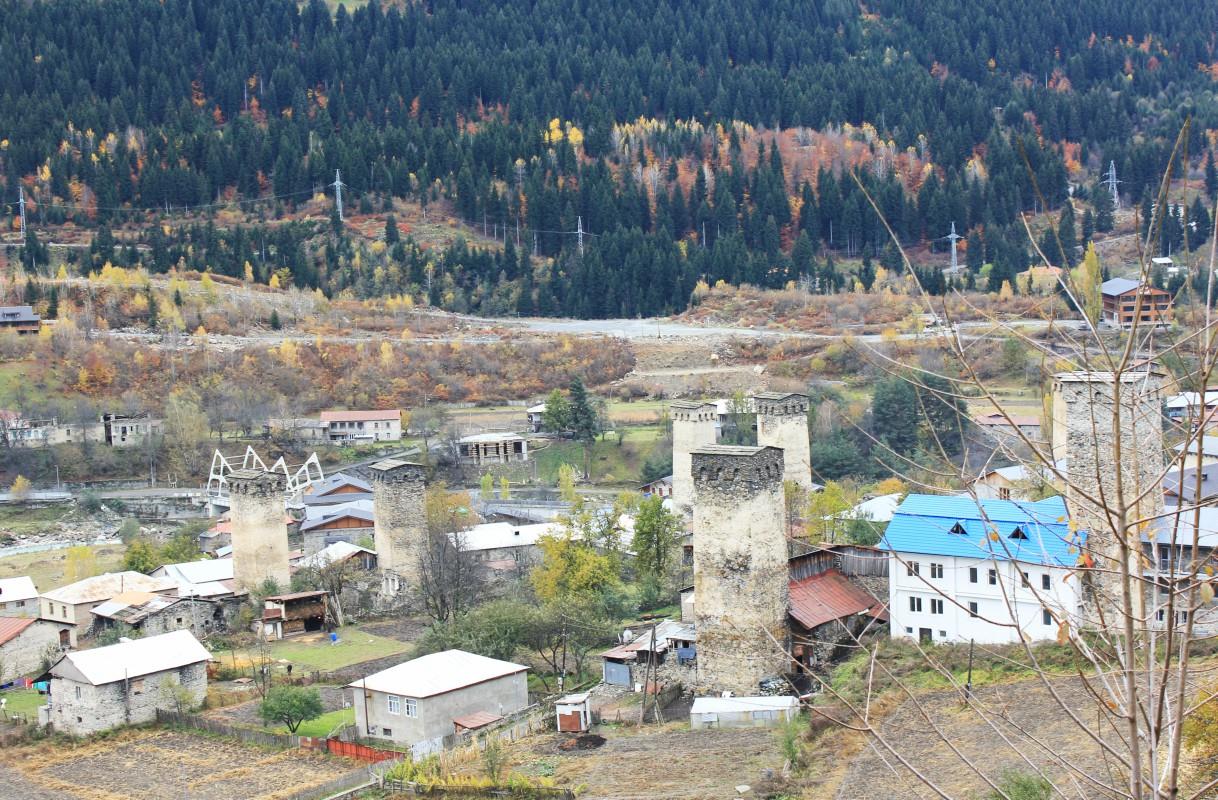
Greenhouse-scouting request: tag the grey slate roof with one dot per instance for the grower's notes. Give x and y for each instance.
(1116, 286)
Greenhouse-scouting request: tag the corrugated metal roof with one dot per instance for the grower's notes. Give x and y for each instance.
(337, 481)
(1115, 286)
(437, 673)
(478, 719)
(204, 571)
(18, 314)
(1182, 484)
(828, 596)
(132, 659)
(317, 516)
(360, 416)
(21, 588)
(332, 554)
(104, 587)
(11, 627)
(499, 535)
(924, 524)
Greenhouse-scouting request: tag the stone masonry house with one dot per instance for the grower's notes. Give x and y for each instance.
(125, 683)
(156, 613)
(18, 597)
(420, 702)
(24, 642)
(75, 602)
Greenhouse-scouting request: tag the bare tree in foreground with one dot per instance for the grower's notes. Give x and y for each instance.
(1136, 676)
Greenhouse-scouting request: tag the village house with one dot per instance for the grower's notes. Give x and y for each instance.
(124, 430)
(361, 559)
(1017, 482)
(75, 602)
(423, 701)
(363, 426)
(125, 683)
(21, 319)
(1192, 407)
(1126, 302)
(111, 429)
(341, 487)
(482, 449)
(18, 597)
(1006, 430)
(25, 643)
(209, 577)
(1172, 565)
(660, 487)
(828, 613)
(951, 581)
(285, 615)
(149, 614)
(1207, 446)
(535, 417)
(625, 664)
(341, 522)
(502, 546)
(297, 429)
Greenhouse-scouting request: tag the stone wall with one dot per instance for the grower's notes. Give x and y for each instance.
(80, 709)
(782, 421)
(22, 655)
(260, 536)
(693, 426)
(740, 566)
(400, 529)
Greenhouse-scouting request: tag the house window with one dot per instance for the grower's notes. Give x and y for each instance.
(972, 574)
(908, 630)
(1004, 493)
(972, 609)
(1018, 534)
(1046, 582)
(77, 692)
(386, 731)
(993, 577)
(915, 604)
(20, 604)
(1046, 617)
(1024, 580)
(942, 634)
(936, 570)
(395, 704)
(412, 707)
(1160, 615)
(958, 529)
(913, 568)
(137, 685)
(936, 606)
(765, 715)
(1181, 617)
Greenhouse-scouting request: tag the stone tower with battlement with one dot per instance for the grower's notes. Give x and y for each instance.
(400, 522)
(260, 534)
(1095, 444)
(782, 421)
(694, 425)
(740, 566)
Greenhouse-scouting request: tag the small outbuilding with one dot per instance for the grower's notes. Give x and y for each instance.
(574, 712)
(742, 712)
(291, 614)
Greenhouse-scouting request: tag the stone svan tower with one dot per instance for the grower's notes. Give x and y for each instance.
(782, 421)
(1098, 448)
(260, 535)
(694, 425)
(400, 524)
(740, 566)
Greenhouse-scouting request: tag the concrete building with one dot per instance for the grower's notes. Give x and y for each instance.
(740, 566)
(742, 712)
(504, 546)
(18, 597)
(122, 430)
(156, 613)
(363, 426)
(782, 421)
(988, 570)
(21, 431)
(74, 603)
(400, 522)
(25, 643)
(260, 537)
(1127, 302)
(694, 425)
(125, 683)
(483, 449)
(419, 702)
(1084, 433)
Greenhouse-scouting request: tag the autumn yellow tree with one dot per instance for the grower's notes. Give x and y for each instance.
(1087, 278)
(20, 490)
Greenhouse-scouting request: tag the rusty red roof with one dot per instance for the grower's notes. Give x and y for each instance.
(478, 719)
(828, 596)
(11, 627)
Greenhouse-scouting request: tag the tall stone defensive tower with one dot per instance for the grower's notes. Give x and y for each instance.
(1099, 448)
(782, 421)
(260, 535)
(693, 426)
(740, 566)
(400, 524)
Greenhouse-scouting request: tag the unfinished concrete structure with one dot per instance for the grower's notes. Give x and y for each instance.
(1106, 451)
(740, 566)
(399, 520)
(693, 426)
(260, 534)
(782, 421)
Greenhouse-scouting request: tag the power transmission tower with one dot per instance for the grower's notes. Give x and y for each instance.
(579, 232)
(338, 194)
(1111, 179)
(954, 237)
(21, 206)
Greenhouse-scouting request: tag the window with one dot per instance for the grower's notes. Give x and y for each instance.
(936, 571)
(908, 630)
(20, 604)
(1018, 534)
(972, 574)
(972, 609)
(179, 620)
(958, 529)
(1004, 493)
(77, 692)
(915, 604)
(412, 708)
(394, 704)
(1024, 580)
(993, 577)
(386, 731)
(765, 715)
(942, 634)
(1160, 615)
(137, 686)
(912, 568)
(1046, 582)
(936, 606)
(1046, 617)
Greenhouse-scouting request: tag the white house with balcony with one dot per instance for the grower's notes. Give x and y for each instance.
(986, 570)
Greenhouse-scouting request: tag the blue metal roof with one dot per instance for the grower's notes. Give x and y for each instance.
(924, 524)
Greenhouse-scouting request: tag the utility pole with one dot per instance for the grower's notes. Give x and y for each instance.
(954, 237)
(579, 231)
(968, 685)
(338, 194)
(1111, 179)
(21, 206)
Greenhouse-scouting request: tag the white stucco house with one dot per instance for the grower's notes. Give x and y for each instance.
(990, 570)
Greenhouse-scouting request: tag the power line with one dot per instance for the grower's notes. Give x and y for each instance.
(338, 194)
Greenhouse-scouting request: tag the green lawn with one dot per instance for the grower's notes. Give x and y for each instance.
(32, 519)
(47, 568)
(25, 701)
(612, 463)
(323, 725)
(314, 651)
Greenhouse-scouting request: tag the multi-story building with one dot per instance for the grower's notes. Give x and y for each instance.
(363, 426)
(1127, 302)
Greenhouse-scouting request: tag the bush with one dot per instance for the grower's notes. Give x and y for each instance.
(1016, 785)
(89, 503)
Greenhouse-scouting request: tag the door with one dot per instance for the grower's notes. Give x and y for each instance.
(65, 638)
(924, 635)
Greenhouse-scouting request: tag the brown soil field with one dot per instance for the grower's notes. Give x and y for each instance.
(155, 764)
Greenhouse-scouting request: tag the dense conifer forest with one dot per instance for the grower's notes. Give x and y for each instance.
(707, 140)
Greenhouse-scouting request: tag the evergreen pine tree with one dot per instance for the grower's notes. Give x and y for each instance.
(1102, 201)
(275, 323)
(391, 230)
(1068, 236)
(53, 303)
(1211, 177)
(1088, 226)
(154, 313)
